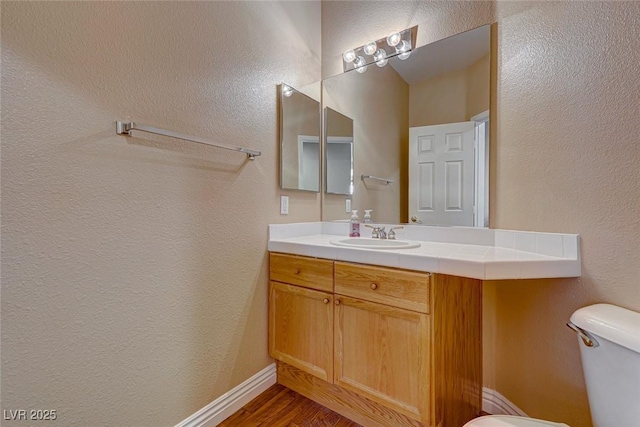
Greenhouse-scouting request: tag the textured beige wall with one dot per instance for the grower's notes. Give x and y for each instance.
(450, 98)
(378, 103)
(566, 160)
(442, 99)
(478, 86)
(134, 279)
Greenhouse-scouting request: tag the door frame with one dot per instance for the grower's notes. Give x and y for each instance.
(481, 176)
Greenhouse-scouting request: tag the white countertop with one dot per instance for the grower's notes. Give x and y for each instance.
(461, 251)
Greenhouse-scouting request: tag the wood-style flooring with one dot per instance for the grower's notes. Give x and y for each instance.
(281, 407)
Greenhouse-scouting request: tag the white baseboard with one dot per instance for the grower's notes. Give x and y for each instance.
(496, 404)
(226, 405)
(230, 402)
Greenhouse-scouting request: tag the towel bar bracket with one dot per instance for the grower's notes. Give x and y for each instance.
(124, 128)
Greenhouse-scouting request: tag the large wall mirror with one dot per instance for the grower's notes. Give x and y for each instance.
(421, 124)
(299, 140)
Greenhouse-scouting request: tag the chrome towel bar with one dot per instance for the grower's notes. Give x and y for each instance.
(386, 181)
(125, 128)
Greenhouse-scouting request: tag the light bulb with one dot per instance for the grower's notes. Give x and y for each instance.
(359, 64)
(381, 58)
(393, 39)
(349, 56)
(370, 48)
(403, 47)
(403, 50)
(287, 90)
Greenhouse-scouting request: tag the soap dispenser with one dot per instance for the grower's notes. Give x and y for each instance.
(367, 216)
(354, 224)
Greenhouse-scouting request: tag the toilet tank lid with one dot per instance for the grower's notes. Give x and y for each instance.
(610, 322)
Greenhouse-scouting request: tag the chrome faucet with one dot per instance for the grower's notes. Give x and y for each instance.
(392, 234)
(378, 232)
(383, 233)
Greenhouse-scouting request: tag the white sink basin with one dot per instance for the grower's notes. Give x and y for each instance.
(363, 242)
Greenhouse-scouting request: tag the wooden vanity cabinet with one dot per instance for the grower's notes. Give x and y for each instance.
(381, 346)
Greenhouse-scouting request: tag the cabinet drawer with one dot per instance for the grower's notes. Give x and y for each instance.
(398, 288)
(302, 271)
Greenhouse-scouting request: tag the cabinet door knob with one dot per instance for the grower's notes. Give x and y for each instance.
(374, 286)
(337, 302)
(297, 271)
(326, 300)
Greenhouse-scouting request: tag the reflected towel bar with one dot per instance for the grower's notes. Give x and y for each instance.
(125, 128)
(386, 181)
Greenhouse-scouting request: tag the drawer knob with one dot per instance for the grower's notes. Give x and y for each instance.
(297, 271)
(337, 302)
(326, 300)
(374, 286)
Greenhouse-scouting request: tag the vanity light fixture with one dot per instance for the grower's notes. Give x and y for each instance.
(398, 43)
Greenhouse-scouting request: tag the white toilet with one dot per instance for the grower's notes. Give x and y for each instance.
(609, 338)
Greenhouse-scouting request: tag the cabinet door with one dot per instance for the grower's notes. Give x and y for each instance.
(301, 328)
(382, 353)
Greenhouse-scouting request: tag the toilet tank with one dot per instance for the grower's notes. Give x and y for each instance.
(612, 366)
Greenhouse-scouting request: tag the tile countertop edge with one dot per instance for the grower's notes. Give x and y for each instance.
(539, 266)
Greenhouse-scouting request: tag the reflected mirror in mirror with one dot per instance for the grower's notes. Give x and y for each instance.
(422, 123)
(299, 141)
(339, 152)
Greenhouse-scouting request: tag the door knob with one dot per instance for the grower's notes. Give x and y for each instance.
(337, 302)
(374, 286)
(326, 300)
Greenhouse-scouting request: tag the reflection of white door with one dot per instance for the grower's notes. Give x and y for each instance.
(339, 168)
(441, 174)
(308, 163)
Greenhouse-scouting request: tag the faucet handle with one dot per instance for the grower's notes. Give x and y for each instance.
(375, 234)
(391, 235)
(383, 233)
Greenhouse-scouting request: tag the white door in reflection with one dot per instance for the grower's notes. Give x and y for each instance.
(441, 174)
(308, 162)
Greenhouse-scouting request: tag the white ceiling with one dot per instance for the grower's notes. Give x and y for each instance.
(444, 56)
